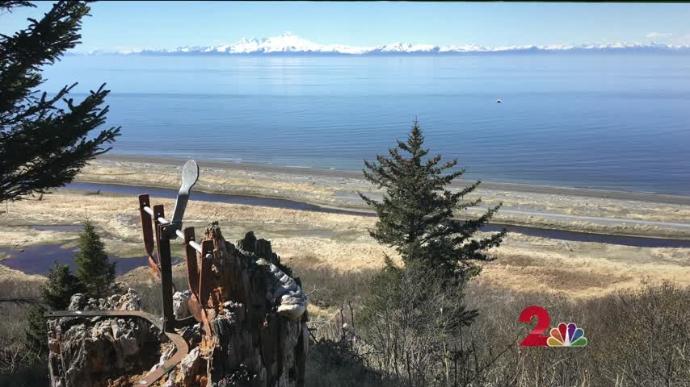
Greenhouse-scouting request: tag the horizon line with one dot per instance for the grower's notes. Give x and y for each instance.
(290, 44)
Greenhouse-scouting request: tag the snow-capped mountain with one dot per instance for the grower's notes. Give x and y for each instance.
(283, 44)
(287, 44)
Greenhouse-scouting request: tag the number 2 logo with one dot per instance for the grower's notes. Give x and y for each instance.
(537, 336)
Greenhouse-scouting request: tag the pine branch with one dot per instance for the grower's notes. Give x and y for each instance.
(43, 42)
(8, 5)
(45, 141)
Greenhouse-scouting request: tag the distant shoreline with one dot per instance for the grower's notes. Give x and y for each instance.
(651, 197)
(575, 209)
(561, 234)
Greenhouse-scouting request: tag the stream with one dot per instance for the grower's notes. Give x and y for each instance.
(576, 236)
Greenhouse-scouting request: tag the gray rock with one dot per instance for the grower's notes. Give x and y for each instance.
(180, 304)
(86, 352)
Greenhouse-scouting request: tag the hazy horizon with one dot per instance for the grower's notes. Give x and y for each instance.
(118, 26)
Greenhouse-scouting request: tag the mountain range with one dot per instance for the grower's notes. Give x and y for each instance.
(289, 44)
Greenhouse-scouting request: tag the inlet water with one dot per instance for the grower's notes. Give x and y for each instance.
(610, 121)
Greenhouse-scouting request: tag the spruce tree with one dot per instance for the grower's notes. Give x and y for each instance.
(45, 140)
(61, 285)
(94, 270)
(419, 214)
(56, 294)
(419, 308)
(36, 331)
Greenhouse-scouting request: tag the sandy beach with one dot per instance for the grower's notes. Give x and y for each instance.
(341, 242)
(610, 212)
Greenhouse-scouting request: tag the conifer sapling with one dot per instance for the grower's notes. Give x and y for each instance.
(420, 216)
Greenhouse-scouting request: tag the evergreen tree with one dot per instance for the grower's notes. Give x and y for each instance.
(36, 331)
(45, 140)
(56, 294)
(419, 309)
(61, 285)
(418, 213)
(94, 270)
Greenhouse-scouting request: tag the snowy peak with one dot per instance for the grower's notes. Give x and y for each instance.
(288, 43)
(283, 43)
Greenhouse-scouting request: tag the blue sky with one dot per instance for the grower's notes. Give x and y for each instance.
(154, 25)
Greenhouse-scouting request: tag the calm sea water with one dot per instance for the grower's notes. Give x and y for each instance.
(600, 120)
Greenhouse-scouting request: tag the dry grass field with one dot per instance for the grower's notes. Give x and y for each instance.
(336, 259)
(341, 242)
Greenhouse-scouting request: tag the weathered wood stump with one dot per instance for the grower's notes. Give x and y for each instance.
(253, 325)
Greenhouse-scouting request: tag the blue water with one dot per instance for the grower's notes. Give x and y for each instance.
(598, 120)
(39, 259)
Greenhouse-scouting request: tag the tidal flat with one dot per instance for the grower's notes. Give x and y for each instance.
(341, 243)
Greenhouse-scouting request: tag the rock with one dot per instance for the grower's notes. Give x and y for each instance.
(180, 300)
(100, 350)
(77, 302)
(129, 300)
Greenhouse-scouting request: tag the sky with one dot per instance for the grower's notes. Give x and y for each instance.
(168, 25)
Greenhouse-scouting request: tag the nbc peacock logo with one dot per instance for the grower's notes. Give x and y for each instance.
(566, 335)
(563, 336)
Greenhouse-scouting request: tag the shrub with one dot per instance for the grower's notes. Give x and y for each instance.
(94, 270)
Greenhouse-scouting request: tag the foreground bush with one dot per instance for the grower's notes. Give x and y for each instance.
(636, 338)
(412, 324)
